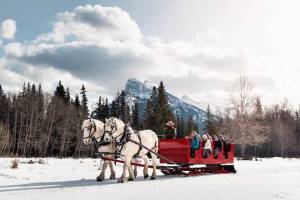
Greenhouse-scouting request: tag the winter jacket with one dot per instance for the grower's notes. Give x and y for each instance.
(218, 144)
(224, 145)
(207, 144)
(170, 132)
(195, 143)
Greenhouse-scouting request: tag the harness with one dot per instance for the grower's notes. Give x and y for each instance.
(125, 138)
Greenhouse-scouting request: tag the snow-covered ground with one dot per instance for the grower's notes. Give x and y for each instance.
(270, 179)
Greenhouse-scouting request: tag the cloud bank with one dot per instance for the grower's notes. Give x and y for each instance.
(103, 46)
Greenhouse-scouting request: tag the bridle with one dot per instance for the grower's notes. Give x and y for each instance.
(91, 133)
(111, 132)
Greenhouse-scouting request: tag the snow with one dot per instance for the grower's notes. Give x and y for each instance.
(274, 178)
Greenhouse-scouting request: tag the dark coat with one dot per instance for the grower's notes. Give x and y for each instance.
(218, 144)
(224, 145)
(170, 132)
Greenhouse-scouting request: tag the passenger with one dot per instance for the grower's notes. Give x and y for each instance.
(206, 146)
(224, 144)
(217, 146)
(170, 131)
(194, 142)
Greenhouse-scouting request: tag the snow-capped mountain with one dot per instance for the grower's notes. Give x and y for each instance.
(140, 92)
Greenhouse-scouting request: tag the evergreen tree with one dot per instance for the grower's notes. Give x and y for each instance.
(41, 98)
(60, 91)
(28, 88)
(33, 89)
(98, 112)
(163, 113)
(123, 115)
(150, 120)
(4, 105)
(180, 127)
(77, 102)
(114, 109)
(210, 123)
(135, 117)
(1, 91)
(67, 96)
(106, 109)
(84, 102)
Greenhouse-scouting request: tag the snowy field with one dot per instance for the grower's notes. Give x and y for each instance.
(75, 179)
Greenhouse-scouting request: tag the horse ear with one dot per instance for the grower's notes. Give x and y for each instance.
(106, 120)
(128, 124)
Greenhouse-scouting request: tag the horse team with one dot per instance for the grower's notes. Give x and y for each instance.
(116, 138)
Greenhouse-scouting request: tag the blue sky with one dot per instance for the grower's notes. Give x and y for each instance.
(198, 48)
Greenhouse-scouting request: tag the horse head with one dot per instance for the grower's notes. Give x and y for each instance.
(92, 130)
(114, 128)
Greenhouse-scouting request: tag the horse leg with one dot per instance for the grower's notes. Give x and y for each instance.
(112, 171)
(135, 168)
(126, 165)
(146, 175)
(154, 158)
(100, 164)
(101, 177)
(131, 175)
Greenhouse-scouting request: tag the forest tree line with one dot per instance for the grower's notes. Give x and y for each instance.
(35, 123)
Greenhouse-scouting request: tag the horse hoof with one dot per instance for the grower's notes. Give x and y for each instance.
(146, 176)
(121, 180)
(112, 177)
(131, 179)
(153, 178)
(99, 179)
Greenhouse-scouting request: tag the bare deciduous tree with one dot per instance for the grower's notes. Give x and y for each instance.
(243, 125)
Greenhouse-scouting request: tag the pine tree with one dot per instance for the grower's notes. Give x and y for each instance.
(77, 102)
(60, 91)
(114, 109)
(135, 117)
(67, 96)
(190, 125)
(163, 113)
(180, 127)
(105, 110)
(150, 120)
(84, 102)
(1, 91)
(99, 113)
(41, 98)
(210, 123)
(123, 107)
(33, 89)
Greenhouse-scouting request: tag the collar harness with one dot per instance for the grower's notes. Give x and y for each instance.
(122, 139)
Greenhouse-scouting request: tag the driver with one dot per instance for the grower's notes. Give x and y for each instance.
(170, 131)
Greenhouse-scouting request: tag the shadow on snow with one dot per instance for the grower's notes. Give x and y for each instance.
(71, 184)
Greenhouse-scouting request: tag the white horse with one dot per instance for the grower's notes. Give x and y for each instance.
(115, 131)
(93, 130)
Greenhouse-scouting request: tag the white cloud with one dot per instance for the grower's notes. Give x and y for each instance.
(8, 29)
(103, 47)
